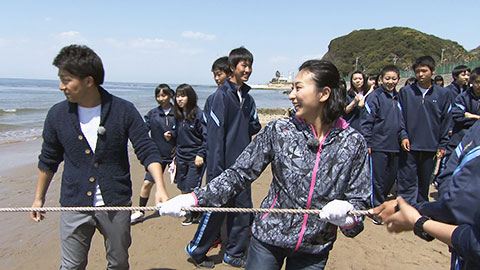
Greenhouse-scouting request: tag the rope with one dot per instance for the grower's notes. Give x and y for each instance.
(192, 209)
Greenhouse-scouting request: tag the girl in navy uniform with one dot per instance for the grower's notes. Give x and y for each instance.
(158, 120)
(190, 133)
(356, 99)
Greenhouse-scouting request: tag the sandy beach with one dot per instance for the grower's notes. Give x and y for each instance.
(159, 242)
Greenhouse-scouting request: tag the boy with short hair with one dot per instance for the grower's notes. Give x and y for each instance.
(460, 75)
(231, 117)
(426, 114)
(382, 128)
(221, 70)
(89, 132)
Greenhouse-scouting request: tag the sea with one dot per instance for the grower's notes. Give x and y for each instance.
(24, 103)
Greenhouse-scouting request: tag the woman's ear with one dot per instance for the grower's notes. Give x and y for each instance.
(325, 94)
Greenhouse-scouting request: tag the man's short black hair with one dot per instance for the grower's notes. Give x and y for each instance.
(239, 54)
(222, 64)
(426, 60)
(80, 61)
(459, 70)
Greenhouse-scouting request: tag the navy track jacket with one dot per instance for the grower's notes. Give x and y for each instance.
(230, 126)
(158, 123)
(467, 101)
(191, 137)
(382, 124)
(426, 117)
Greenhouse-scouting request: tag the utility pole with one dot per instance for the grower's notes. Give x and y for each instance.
(356, 62)
(441, 57)
(395, 58)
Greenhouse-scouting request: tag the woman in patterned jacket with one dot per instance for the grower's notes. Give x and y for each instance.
(317, 161)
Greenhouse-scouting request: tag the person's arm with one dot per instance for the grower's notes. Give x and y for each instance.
(44, 179)
(367, 122)
(352, 104)
(155, 169)
(445, 123)
(407, 216)
(216, 135)
(254, 123)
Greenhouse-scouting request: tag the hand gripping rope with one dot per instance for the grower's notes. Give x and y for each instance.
(192, 209)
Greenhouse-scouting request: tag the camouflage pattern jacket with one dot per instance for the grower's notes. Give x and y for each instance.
(304, 176)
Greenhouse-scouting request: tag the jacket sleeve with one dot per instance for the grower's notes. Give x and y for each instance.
(145, 149)
(359, 188)
(146, 118)
(458, 111)
(403, 123)
(216, 135)
(254, 123)
(367, 122)
(248, 167)
(445, 123)
(52, 151)
(466, 240)
(202, 129)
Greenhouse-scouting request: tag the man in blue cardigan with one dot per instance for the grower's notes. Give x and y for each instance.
(89, 132)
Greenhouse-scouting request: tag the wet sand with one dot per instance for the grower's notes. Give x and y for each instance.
(159, 242)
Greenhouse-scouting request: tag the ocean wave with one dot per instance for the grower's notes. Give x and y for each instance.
(19, 111)
(10, 134)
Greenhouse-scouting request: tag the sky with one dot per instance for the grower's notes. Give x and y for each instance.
(177, 41)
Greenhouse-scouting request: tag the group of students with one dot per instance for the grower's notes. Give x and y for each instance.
(318, 160)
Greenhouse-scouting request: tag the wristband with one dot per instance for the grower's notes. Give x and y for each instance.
(418, 229)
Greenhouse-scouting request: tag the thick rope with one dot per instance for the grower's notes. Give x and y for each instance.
(192, 209)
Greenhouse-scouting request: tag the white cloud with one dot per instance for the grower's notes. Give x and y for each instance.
(198, 35)
(148, 43)
(71, 36)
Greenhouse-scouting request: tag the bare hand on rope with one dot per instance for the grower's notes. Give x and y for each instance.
(36, 215)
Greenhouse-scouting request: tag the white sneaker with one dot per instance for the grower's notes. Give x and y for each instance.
(137, 216)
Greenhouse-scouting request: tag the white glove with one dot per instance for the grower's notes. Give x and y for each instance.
(336, 212)
(173, 207)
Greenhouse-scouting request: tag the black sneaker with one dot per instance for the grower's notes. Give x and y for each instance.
(235, 262)
(188, 220)
(205, 264)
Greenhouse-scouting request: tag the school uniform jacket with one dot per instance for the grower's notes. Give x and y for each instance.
(458, 196)
(426, 118)
(306, 177)
(467, 101)
(190, 136)
(63, 140)
(158, 123)
(231, 123)
(466, 244)
(382, 124)
(354, 116)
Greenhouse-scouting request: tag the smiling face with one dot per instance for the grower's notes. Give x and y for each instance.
(182, 100)
(305, 97)
(163, 99)
(390, 80)
(462, 78)
(241, 72)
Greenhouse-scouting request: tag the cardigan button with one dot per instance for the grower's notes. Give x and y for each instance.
(89, 193)
(91, 179)
(87, 151)
(80, 137)
(95, 164)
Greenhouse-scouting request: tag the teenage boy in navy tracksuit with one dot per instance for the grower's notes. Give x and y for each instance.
(231, 121)
(460, 75)
(465, 111)
(427, 114)
(382, 126)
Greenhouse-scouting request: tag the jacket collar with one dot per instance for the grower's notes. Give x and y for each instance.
(244, 89)
(339, 125)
